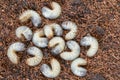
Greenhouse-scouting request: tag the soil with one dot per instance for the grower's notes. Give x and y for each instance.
(100, 18)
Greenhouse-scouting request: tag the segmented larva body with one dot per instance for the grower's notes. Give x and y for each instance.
(75, 51)
(68, 25)
(13, 48)
(24, 31)
(39, 39)
(52, 14)
(52, 72)
(38, 55)
(57, 44)
(76, 69)
(92, 42)
(48, 30)
(31, 14)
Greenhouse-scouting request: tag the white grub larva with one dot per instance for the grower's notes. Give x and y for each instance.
(48, 30)
(24, 31)
(31, 14)
(57, 44)
(92, 42)
(39, 39)
(13, 49)
(38, 55)
(68, 25)
(76, 69)
(53, 71)
(52, 14)
(75, 51)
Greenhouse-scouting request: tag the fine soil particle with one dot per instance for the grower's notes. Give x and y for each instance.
(99, 0)
(98, 77)
(100, 18)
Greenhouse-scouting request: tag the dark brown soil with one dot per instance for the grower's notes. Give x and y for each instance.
(101, 18)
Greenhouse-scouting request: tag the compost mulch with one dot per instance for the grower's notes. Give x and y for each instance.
(100, 18)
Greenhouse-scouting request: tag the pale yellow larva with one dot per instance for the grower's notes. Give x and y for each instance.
(92, 42)
(31, 14)
(53, 71)
(12, 51)
(69, 25)
(74, 53)
(76, 67)
(39, 40)
(57, 44)
(52, 29)
(52, 14)
(24, 31)
(38, 55)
